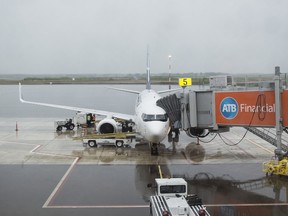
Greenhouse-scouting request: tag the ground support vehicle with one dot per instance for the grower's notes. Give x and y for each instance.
(171, 199)
(80, 120)
(68, 124)
(117, 139)
(84, 120)
(276, 167)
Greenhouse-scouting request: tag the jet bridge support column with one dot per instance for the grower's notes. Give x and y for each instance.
(184, 115)
(278, 117)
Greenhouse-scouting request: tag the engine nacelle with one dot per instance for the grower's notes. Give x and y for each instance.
(108, 125)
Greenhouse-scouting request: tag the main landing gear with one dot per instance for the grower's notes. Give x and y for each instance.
(175, 132)
(154, 149)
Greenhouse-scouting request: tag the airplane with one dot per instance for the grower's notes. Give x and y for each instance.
(151, 121)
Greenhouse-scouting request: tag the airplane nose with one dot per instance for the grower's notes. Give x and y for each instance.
(156, 133)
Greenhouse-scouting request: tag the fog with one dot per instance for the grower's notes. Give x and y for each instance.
(111, 36)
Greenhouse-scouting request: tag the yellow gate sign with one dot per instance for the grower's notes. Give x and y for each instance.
(185, 81)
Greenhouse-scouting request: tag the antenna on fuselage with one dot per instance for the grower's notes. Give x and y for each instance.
(148, 81)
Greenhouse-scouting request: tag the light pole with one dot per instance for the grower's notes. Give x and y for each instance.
(169, 58)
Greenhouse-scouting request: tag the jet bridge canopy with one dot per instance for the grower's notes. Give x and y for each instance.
(222, 108)
(211, 109)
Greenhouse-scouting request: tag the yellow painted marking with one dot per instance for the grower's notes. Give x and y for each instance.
(265, 149)
(160, 172)
(253, 142)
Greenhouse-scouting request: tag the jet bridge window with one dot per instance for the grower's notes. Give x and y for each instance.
(152, 117)
(172, 189)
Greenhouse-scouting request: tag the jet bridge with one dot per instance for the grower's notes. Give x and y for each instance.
(225, 105)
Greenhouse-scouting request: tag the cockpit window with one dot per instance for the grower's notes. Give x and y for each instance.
(161, 117)
(152, 117)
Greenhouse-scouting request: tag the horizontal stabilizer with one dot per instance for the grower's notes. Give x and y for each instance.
(168, 90)
(125, 90)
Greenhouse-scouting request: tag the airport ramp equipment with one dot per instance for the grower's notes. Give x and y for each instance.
(176, 206)
(172, 199)
(118, 135)
(276, 167)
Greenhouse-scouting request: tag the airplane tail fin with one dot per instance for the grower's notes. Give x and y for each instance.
(148, 80)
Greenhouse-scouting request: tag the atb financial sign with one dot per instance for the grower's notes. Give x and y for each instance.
(255, 108)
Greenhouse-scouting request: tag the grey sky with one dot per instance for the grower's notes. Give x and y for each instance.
(111, 36)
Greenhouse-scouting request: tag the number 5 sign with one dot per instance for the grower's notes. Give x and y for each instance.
(185, 82)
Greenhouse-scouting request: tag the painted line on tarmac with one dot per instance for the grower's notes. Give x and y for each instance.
(60, 184)
(17, 143)
(34, 149)
(265, 149)
(147, 206)
(98, 206)
(247, 204)
(258, 145)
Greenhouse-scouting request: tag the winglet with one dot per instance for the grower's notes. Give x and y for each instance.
(20, 94)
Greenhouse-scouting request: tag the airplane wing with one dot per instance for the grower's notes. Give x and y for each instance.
(85, 110)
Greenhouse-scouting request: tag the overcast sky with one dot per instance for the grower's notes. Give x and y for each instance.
(111, 36)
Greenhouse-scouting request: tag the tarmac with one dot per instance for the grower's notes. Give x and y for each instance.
(49, 173)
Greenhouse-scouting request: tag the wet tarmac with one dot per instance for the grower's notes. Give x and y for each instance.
(45, 173)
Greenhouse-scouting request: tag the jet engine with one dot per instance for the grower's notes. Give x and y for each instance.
(108, 125)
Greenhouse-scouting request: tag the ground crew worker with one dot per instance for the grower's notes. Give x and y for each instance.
(201, 212)
(165, 213)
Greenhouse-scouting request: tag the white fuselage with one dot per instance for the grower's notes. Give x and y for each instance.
(151, 120)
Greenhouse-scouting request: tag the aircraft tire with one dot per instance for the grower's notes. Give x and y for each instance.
(92, 143)
(119, 143)
(71, 127)
(154, 149)
(59, 128)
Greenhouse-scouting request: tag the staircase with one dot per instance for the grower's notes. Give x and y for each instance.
(269, 135)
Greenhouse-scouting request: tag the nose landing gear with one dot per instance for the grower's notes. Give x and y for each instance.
(154, 149)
